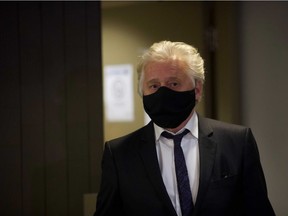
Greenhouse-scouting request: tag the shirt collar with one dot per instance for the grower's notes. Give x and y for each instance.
(192, 126)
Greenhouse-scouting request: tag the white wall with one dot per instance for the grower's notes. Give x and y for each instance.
(264, 60)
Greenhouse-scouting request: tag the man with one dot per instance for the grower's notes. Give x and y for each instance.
(180, 163)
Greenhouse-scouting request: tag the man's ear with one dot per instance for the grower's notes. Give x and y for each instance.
(198, 90)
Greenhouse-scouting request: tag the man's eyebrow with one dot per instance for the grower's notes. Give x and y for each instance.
(152, 81)
(168, 79)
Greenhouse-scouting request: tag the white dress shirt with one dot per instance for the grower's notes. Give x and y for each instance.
(165, 153)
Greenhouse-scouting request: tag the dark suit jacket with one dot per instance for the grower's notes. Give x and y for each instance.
(231, 177)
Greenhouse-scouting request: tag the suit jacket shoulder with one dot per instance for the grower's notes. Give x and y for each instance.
(207, 125)
(133, 139)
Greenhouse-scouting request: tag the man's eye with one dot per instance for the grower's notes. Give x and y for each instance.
(174, 84)
(154, 86)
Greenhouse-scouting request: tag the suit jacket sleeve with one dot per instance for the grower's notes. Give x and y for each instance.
(108, 199)
(256, 200)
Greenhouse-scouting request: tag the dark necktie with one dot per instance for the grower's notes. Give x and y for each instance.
(185, 195)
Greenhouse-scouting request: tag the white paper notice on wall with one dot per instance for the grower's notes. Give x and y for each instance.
(118, 93)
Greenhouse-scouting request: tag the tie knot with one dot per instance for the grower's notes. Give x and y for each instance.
(175, 137)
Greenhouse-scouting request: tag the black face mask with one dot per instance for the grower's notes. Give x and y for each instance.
(168, 108)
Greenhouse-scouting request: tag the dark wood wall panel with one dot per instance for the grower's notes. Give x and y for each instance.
(33, 160)
(51, 124)
(10, 130)
(55, 108)
(94, 68)
(77, 115)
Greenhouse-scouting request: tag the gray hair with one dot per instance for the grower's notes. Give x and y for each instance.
(167, 50)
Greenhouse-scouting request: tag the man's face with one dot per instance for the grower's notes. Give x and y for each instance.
(169, 74)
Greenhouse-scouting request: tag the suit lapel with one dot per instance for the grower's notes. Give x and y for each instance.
(147, 151)
(207, 150)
